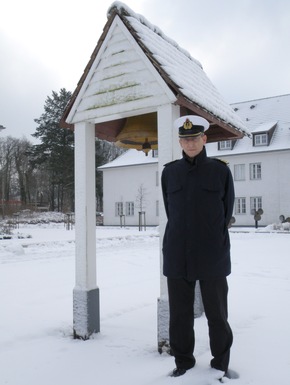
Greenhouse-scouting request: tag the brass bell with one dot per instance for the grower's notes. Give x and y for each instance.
(139, 132)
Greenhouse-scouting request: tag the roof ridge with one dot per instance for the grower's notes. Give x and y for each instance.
(258, 99)
(123, 10)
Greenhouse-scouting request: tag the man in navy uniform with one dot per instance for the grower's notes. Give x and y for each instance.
(198, 196)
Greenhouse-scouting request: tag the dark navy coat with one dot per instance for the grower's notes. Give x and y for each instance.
(198, 199)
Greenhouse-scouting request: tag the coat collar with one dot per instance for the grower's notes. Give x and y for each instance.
(198, 159)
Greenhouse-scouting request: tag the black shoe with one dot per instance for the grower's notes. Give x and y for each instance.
(231, 374)
(177, 372)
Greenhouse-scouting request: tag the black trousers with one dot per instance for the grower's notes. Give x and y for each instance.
(181, 325)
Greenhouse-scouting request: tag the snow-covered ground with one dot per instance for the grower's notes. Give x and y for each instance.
(36, 283)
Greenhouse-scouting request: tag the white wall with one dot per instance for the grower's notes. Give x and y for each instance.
(121, 184)
(273, 187)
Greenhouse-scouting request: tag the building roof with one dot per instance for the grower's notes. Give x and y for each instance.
(183, 74)
(130, 158)
(261, 116)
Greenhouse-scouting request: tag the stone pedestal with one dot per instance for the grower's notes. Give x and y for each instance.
(86, 305)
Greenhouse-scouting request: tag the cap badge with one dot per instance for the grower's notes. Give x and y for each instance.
(187, 124)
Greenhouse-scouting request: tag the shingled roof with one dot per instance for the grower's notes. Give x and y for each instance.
(184, 76)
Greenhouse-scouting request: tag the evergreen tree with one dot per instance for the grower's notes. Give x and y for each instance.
(55, 156)
(55, 153)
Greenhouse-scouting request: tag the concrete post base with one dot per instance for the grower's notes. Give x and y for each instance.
(198, 305)
(86, 313)
(163, 325)
(163, 319)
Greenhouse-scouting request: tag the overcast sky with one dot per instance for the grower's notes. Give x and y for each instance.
(45, 45)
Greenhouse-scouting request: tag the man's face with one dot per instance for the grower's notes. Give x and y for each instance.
(192, 146)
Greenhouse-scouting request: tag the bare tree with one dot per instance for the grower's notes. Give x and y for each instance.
(14, 172)
(23, 167)
(141, 198)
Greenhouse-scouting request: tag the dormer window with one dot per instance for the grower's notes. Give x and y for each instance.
(226, 145)
(261, 140)
(262, 135)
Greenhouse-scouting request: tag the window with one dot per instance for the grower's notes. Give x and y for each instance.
(239, 172)
(157, 178)
(225, 145)
(261, 140)
(255, 203)
(118, 208)
(255, 171)
(154, 153)
(240, 206)
(130, 209)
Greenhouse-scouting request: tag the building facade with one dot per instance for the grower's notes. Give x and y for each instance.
(261, 164)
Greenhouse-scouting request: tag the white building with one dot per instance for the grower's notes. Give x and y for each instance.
(127, 180)
(260, 166)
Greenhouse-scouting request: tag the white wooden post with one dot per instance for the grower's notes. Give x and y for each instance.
(86, 312)
(168, 150)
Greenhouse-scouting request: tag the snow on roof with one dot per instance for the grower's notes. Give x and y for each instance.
(264, 127)
(123, 7)
(130, 158)
(185, 71)
(261, 115)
